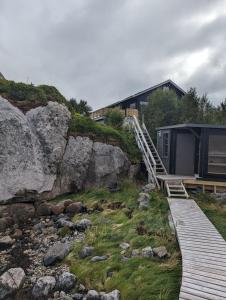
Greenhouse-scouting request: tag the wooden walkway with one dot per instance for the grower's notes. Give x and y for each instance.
(203, 252)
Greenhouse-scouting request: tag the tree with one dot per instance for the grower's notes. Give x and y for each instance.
(189, 107)
(114, 117)
(221, 113)
(162, 110)
(80, 107)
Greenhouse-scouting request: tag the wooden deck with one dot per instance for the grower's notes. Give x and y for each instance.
(203, 252)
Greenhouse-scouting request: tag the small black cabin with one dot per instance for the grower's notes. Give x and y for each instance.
(193, 149)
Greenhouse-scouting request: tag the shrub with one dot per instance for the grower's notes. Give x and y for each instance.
(114, 118)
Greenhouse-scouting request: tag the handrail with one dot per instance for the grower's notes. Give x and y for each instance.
(147, 155)
(153, 145)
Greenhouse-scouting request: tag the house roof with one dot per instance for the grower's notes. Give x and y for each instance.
(192, 125)
(169, 81)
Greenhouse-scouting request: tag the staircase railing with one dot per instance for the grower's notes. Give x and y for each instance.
(153, 146)
(146, 152)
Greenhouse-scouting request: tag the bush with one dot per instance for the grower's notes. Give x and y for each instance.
(84, 126)
(114, 117)
(27, 96)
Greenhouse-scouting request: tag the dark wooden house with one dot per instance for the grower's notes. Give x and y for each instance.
(141, 98)
(193, 149)
(135, 101)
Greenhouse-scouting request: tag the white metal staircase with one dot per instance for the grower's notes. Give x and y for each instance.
(153, 162)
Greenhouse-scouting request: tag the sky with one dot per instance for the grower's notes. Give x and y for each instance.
(105, 50)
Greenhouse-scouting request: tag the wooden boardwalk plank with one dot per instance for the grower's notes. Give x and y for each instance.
(203, 252)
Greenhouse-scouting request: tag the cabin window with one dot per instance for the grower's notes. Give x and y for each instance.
(217, 154)
(165, 141)
(132, 105)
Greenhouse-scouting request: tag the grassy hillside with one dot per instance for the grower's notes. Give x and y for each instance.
(116, 219)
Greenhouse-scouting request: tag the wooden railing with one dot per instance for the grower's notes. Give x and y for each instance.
(100, 113)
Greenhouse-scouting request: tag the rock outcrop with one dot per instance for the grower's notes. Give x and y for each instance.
(38, 160)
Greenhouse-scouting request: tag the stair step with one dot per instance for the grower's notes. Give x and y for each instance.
(178, 195)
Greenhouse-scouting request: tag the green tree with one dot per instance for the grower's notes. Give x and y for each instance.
(80, 107)
(114, 117)
(221, 113)
(162, 110)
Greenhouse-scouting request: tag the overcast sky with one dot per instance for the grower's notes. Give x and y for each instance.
(104, 50)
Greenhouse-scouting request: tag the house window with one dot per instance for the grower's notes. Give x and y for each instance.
(132, 105)
(165, 139)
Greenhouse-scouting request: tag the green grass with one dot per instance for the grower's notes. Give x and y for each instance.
(138, 278)
(214, 210)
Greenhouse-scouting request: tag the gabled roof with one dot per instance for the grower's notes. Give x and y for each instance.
(192, 125)
(169, 81)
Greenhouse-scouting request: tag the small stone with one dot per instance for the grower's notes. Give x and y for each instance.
(17, 234)
(114, 295)
(44, 209)
(56, 253)
(83, 225)
(93, 295)
(161, 252)
(67, 202)
(144, 200)
(62, 222)
(44, 286)
(66, 281)
(77, 296)
(5, 223)
(57, 209)
(124, 258)
(6, 242)
(135, 253)
(74, 208)
(99, 258)
(148, 188)
(124, 246)
(86, 251)
(11, 281)
(21, 212)
(147, 252)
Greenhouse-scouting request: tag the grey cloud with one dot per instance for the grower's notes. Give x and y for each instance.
(103, 51)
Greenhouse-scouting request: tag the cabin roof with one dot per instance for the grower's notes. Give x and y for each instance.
(192, 125)
(169, 81)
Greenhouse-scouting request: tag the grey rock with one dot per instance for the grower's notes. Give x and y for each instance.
(66, 281)
(33, 146)
(147, 252)
(77, 296)
(148, 188)
(107, 164)
(98, 258)
(93, 295)
(133, 171)
(143, 200)
(21, 212)
(124, 246)
(161, 251)
(77, 157)
(62, 222)
(56, 253)
(43, 286)
(11, 281)
(114, 295)
(6, 242)
(83, 224)
(64, 296)
(135, 253)
(86, 251)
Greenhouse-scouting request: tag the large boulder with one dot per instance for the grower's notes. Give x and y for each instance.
(32, 147)
(75, 164)
(38, 159)
(108, 163)
(11, 281)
